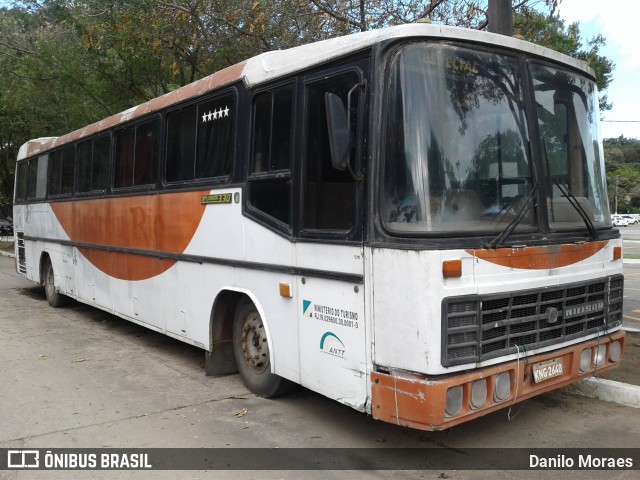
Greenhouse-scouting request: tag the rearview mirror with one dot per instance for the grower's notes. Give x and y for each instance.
(338, 126)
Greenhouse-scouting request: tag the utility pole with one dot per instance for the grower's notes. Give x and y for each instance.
(615, 197)
(500, 17)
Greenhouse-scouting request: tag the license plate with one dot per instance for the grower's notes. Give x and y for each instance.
(545, 370)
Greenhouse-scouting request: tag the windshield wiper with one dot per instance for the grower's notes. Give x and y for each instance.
(576, 204)
(568, 195)
(529, 201)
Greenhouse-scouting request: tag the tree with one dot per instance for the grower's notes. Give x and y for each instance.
(65, 64)
(623, 172)
(550, 31)
(362, 15)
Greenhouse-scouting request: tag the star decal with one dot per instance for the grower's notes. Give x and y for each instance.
(215, 114)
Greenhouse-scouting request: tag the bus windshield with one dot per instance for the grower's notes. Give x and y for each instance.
(567, 111)
(457, 156)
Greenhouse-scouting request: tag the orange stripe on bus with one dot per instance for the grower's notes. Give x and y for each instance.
(125, 266)
(539, 258)
(155, 223)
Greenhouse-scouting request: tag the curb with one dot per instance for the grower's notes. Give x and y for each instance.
(609, 391)
(7, 254)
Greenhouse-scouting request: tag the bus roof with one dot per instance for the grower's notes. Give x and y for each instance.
(272, 65)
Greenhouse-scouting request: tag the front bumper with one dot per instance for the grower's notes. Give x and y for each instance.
(419, 401)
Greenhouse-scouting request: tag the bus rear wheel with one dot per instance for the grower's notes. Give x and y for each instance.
(55, 298)
(251, 349)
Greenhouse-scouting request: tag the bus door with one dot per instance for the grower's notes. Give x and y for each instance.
(329, 254)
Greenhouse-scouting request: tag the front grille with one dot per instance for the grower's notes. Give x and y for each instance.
(487, 326)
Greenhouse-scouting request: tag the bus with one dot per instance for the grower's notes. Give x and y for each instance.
(412, 221)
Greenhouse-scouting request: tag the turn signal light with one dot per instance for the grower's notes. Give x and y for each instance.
(452, 268)
(285, 290)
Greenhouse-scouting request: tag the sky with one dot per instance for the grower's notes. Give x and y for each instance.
(617, 21)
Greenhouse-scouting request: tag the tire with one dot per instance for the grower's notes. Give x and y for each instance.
(251, 349)
(55, 298)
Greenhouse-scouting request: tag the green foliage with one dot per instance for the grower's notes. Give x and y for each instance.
(550, 31)
(65, 64)
(623, 173)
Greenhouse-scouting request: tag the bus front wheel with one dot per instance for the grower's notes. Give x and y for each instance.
(251, 348)
(55, 298)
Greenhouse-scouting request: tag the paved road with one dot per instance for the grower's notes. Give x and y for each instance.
(79, 377)
(631, 245)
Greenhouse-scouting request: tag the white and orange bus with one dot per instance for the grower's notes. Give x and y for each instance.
(412, 221)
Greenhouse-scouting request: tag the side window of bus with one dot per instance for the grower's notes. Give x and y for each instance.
(93, 164)
(61, 170)
(136, 154)
(329, 194)
(201, 140)
(269, 170)
(216, 137)
(22, 181)
(37, 178)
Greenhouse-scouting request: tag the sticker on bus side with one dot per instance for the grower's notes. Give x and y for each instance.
(325, 313)
(215, 199)
(331, 344)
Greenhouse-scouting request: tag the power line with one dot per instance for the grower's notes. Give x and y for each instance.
(621, 121)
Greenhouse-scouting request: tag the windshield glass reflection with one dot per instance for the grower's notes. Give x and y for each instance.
(567, 111)
(456, 146)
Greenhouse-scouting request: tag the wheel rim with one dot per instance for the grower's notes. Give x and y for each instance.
(255, 347)
(48, 282)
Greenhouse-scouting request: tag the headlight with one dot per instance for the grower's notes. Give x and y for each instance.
(479, 393)
(585, 360)
(453, 405)
(502, 387)
(615, 351)
(601, 352)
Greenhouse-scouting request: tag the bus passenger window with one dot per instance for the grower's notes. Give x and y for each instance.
(61, 171)
(85, 151)
(144, 170)
(21, 185)
(33, 178)
(55, 173)
(93, 164)
(181, 145)
(215, 145)
(136, 155)
(68, 164)
(125, 141)
(100, 163)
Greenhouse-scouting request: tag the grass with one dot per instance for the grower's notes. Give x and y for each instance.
(6, 246)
